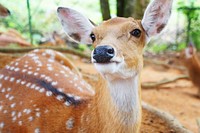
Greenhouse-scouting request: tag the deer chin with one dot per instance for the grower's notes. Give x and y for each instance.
(114, 70)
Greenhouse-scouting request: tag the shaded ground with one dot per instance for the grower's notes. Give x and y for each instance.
(177, 98)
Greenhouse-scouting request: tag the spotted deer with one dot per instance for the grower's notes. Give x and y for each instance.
(4, 12)
(39, 94)
(190, 60)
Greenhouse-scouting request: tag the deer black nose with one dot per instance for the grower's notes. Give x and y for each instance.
(103, 54)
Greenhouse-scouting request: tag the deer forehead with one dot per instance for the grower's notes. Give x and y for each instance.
(116, 32)
(117, 26)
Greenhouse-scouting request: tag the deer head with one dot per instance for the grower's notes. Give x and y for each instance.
(118, 42)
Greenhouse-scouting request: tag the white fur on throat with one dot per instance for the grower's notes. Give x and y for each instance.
(125, 97)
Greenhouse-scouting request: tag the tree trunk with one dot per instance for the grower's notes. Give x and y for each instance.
(139, 8)
(131, 8)
(105, 9)
(120, 8)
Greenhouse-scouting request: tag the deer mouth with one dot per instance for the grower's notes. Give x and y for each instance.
(102, 63)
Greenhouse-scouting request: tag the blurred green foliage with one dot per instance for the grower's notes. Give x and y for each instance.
(191, 10)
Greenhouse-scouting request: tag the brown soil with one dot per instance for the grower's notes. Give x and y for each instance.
(177, 98)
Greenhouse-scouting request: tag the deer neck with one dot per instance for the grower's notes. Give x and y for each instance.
(192, 63)
(119, 103)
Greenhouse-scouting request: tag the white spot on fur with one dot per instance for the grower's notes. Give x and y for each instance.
(28, 84)
(23, 82)
(5, 111)
(37, 114)
(30, 118)
(32, 86)
(67, 103)
(6, 78)
(18, 81)
(3, 90)
(70, 123)
(37, 109)
(41, 90)
(13, 113)
(54, 83)
(12, 79)
(1, 76)
(2, 125)
(7, 95)
(8, 89)
(59, 97)
(28, 111)
(16, 69)
(50, 68)
(20, 123)
(37, 88)
(19, 114)
(30, 72)
(46, 111)
(7, 67)
(11, 98)
(77, 98)
(1, 107)
(24, 70)
(37, 130)
(35, 74)
(49, 93)
(14, 118)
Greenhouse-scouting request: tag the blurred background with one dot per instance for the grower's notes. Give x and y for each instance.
(43, 25)
(170, 80)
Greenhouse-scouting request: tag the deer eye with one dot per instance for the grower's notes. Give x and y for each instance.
(92, 36)
(136, 33)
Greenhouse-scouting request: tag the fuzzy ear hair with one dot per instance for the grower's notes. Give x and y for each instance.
(156, 16)
(189, 52)
(76, 25)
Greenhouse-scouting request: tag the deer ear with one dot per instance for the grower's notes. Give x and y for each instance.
(190, 50)
(76, 26)
(4, 12)
(156, 16)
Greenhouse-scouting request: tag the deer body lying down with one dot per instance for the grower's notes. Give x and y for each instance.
(192, 63)
(39, 94)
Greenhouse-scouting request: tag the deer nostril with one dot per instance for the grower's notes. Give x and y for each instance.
(111, 51)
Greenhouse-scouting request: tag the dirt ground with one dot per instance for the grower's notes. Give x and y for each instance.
(178, 98)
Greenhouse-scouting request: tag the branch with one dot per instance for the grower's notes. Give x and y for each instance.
(162, 82)
(164, 64)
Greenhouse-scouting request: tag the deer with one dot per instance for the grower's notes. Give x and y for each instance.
(42, 92)
(190, 60)
(4, 12)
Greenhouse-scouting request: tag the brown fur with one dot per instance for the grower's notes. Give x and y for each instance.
(193, 66)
